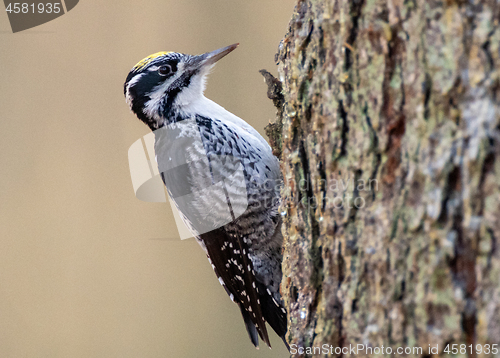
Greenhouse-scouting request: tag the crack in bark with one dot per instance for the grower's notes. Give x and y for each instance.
(395, 121)
(344, 131)
(355, 13)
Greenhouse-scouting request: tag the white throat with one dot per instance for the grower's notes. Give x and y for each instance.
(193, 92)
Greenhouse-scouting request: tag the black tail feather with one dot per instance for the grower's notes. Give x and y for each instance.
(252, 331)
(272, 311)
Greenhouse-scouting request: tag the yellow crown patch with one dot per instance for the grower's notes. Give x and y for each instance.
(145, 61)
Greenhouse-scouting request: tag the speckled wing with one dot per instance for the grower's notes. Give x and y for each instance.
(199, 183)
(229, 258)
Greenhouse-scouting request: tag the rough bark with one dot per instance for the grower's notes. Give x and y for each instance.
(390, 146)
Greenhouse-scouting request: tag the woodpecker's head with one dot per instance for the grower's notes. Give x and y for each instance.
(165, 81)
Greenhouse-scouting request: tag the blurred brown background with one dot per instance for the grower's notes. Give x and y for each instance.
(86, 269)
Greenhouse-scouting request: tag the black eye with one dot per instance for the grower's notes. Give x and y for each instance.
(165, 70)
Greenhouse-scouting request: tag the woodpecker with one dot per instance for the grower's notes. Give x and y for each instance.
(223, 178)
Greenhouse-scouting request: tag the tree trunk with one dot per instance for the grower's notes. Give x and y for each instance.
(389, 138)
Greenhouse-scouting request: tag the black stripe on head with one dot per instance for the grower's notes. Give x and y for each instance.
(177, 86)
(138, 93)
(150, 79)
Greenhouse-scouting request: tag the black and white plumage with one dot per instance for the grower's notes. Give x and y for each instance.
(223, 177)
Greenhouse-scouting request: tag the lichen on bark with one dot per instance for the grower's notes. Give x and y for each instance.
(390, 148)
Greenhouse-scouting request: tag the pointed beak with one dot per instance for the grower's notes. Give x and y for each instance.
(210, 58)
